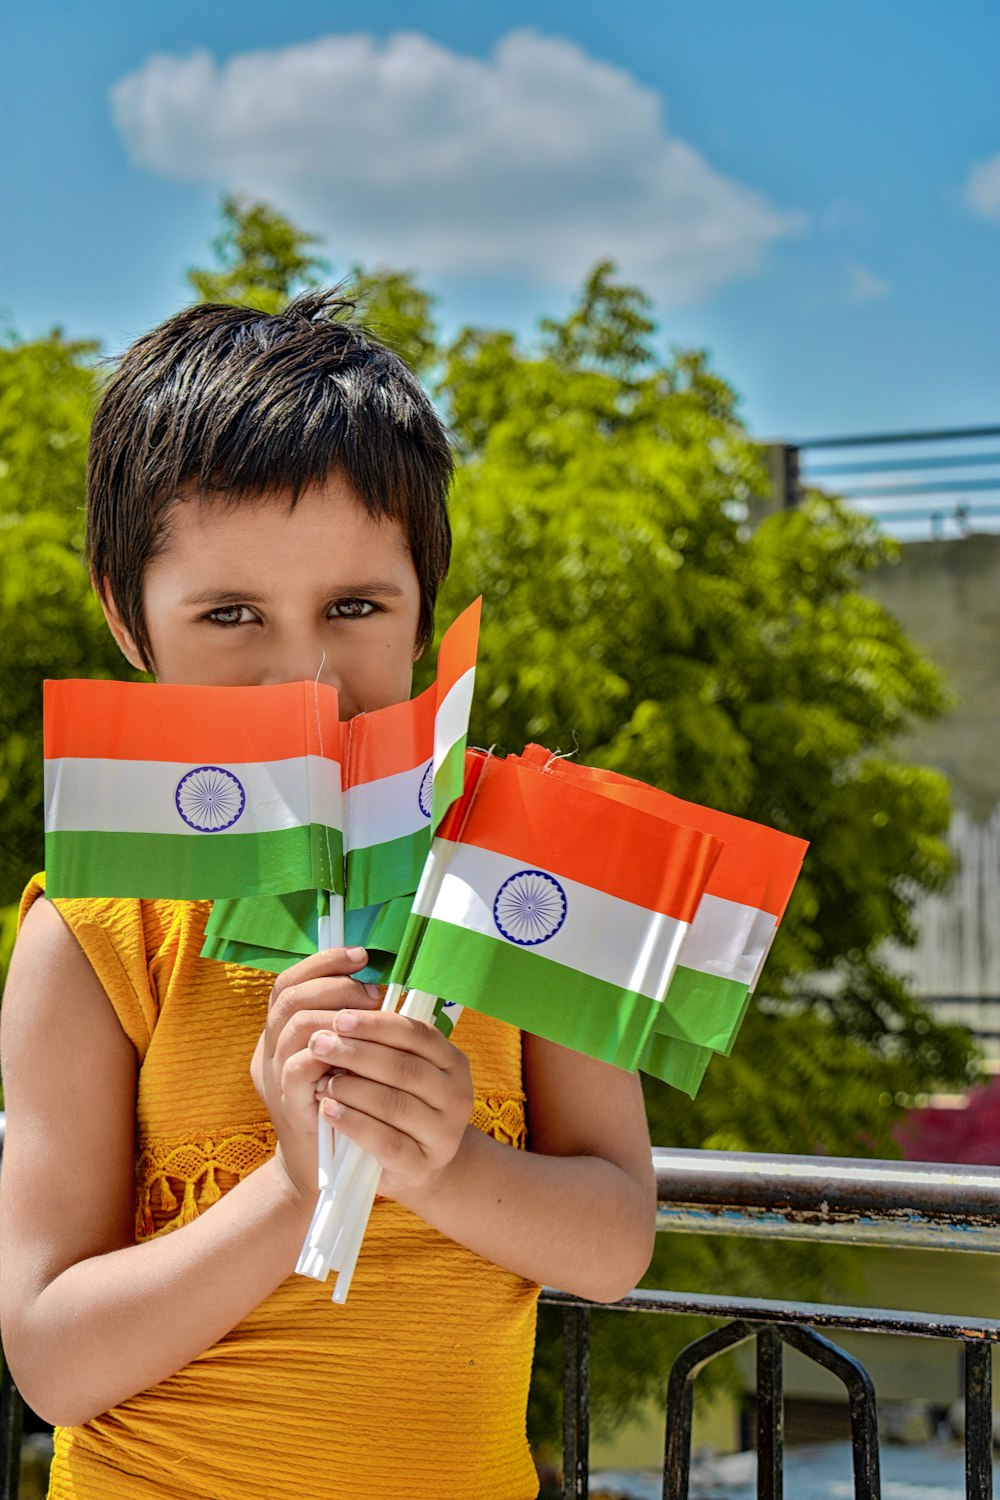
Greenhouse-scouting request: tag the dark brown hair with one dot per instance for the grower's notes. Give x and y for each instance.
(230, 402)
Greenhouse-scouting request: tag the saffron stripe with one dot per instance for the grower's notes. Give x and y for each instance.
(459, 645)
(390, 740)
(572, 831)
(161, 721)
(758, 866)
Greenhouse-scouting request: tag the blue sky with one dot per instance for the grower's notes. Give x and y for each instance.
(810, 191)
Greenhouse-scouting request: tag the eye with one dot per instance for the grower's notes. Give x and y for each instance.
(352, 609)
(231, 614)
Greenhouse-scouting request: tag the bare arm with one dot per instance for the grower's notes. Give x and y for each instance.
(577, 1211)
(89, 1317)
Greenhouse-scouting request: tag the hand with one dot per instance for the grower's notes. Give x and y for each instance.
(406, 1096)
(285, 1072)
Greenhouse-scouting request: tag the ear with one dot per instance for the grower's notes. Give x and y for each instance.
(118, 628)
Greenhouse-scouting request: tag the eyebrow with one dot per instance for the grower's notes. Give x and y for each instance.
(377, 587)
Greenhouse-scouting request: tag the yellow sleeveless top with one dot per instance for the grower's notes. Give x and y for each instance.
(414, 1390)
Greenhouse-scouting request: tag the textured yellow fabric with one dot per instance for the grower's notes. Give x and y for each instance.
(415, 1390)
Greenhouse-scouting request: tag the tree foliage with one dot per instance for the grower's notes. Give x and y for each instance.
(634, 616)
(50, 625)
(261, 259)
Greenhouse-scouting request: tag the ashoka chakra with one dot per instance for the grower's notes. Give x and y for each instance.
(425, 796)
(530, 907)
(210, 799)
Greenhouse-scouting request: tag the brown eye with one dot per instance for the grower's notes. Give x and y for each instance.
(228, 614)
(352, 609)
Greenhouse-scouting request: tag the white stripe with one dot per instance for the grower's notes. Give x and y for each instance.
(129, 796)
(377, 811)
(451, 722)
(602, 936)
(728, 939)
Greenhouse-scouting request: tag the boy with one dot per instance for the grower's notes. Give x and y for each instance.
(266, 501)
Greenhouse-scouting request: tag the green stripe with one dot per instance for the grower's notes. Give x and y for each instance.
(449, 779)
(288, 923)
(681, 1064)
(534, 993)
(181, 867)
(702, 1008)
(384, 871)
(272, 961)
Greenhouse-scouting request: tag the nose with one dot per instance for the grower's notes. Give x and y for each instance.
(300, 661)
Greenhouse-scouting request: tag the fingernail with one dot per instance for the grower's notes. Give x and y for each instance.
(356, 955)
(322, 1043)
(346, 1021)
(373, 991)
(330, 1109)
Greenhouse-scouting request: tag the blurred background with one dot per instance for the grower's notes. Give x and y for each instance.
(708, 295)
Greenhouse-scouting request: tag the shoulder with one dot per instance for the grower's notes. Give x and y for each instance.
(123, 940)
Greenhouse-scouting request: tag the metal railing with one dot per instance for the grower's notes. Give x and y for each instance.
(884, 1203)
(903, 1204)
(947, 479)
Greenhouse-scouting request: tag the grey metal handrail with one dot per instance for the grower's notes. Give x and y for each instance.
(929, 1205)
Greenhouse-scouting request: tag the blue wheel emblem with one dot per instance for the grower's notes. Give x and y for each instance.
(530, 907)
(425, 796)
(210, 799)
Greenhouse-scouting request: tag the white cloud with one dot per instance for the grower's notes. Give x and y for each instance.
(535, 162)
(982, 188)
(863, 285)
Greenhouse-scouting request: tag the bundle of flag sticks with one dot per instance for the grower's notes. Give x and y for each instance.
(574, 903)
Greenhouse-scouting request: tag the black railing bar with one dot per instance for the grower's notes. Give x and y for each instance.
(944, 487)
(928, 435)
(978, 1422)
(827, 1184)
(900, 465)
(892, 1230)
(812, 1314)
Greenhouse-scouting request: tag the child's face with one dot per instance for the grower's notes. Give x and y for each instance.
(259, 593)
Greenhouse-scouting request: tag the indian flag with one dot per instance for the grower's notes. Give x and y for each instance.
(272, 933)
(191, 792)
(555, 909)
(456, 676)
(723, 953)
(403, 768)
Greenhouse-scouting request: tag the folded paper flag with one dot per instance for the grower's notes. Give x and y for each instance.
(556, 909)
(274, 932)
(402, 771)
(393, 758)
(723, 954)
(189, 792)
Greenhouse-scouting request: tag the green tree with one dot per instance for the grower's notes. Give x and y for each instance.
(50, 624)
(261, 259)
(635, 617)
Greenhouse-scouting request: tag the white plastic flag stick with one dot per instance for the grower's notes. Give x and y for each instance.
(330, 935)
(340, 1174)
(421, 1007)
(332, 1210)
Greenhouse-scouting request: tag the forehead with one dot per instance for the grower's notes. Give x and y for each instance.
(327, 523)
